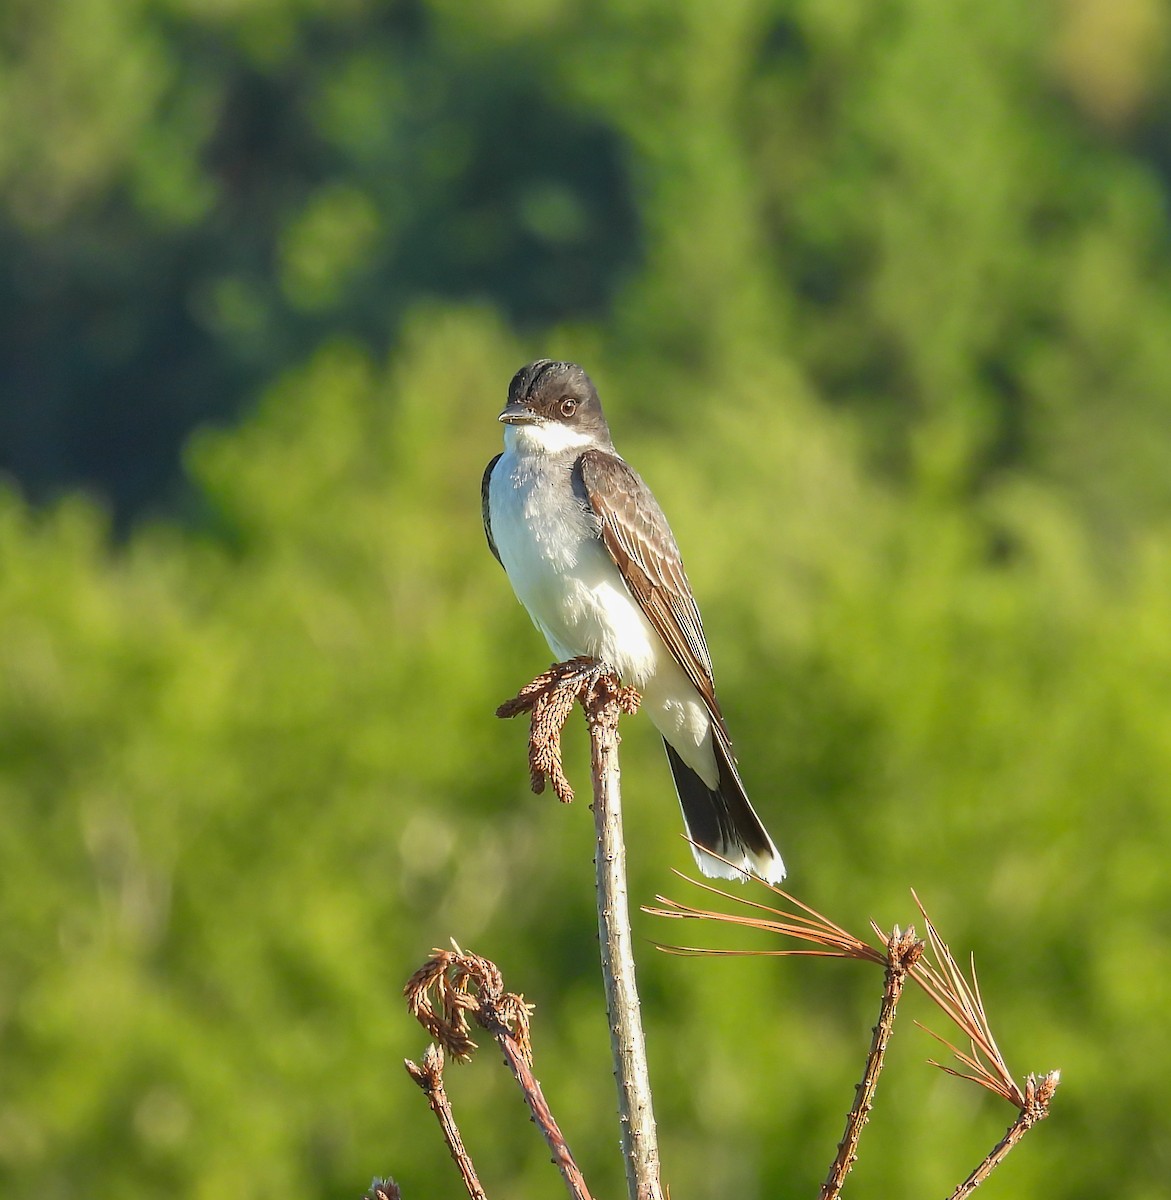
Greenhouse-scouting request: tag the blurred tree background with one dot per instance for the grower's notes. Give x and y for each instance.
(878, 295)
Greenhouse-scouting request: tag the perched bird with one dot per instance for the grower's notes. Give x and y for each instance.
(592, 558)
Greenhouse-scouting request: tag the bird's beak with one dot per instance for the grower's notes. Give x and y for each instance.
(518, 414)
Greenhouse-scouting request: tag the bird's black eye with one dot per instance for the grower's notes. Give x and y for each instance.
(568, 406)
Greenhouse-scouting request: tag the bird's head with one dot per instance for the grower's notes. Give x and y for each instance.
(553, 408)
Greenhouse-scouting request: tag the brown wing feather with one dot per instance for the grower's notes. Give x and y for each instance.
(639, 540)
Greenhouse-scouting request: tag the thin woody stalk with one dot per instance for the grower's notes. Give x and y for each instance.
(639, 1136)
(903, 951)
(448, 988)
(944, 983)
(429, 1077)
(1038, 1093)
(518, 1062)
(548, 700)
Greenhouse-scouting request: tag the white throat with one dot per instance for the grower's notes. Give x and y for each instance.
(544, 439)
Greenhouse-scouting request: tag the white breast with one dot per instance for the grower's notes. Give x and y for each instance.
(561, 572)
(564, 576)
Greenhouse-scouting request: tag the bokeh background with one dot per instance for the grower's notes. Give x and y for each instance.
(878, 296)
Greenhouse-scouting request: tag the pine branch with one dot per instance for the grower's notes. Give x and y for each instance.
(903, 951)
(1038, 1093)
(941, 979)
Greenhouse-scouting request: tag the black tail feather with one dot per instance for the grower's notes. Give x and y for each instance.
(723, 822)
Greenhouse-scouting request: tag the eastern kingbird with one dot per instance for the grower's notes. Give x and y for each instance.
(592, 558)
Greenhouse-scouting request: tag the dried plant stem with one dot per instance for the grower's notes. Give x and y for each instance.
(639, 1136)
(1038, 1093)
(996, 1156)
(943, 981)
(519, 1063)
(903, 951)
(429, 1077)
(442, 993)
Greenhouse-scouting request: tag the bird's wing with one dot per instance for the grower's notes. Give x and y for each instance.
(635, 532)
(485, 510)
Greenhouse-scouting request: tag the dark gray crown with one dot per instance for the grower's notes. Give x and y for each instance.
(562, 392)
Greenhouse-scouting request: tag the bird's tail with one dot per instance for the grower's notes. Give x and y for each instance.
(723, 823)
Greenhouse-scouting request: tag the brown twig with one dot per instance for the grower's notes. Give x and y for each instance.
(1038, 1093)
(983, 1062)
(903, 951)
(429, 1077)
(451, 984)
(943, 982)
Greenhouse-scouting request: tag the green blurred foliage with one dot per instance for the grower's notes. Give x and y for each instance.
(877, 297)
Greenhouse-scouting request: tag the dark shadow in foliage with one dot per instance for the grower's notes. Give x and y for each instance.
(124, 331)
